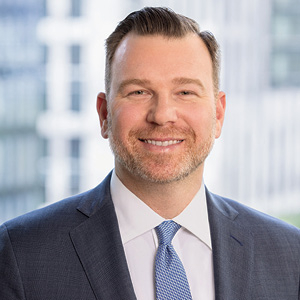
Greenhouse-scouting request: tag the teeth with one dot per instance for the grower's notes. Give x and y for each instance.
(164, 143)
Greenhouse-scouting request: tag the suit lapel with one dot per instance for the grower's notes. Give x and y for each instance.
(98, 244)
(99, 247)
(233, 251)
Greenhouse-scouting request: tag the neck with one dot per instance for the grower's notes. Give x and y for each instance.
(166, 199)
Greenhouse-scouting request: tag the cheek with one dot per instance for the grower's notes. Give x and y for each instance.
(124, 118)
(202, 121)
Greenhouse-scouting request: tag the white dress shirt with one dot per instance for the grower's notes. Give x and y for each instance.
(192, 242)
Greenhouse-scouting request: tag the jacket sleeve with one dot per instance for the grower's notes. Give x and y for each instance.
(11, 287)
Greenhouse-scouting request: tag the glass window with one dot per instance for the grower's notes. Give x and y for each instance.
(2, 102)
(75, 96)
(76, 8)
(44, 54)
(282, 25)
(2, 170)
(43, 95)
(75, 54)
(44, 147)
(44, 8)
(74, 183)
(286, 48)
(280, 69)
(286, 68)
(75, 148)
(75, 165)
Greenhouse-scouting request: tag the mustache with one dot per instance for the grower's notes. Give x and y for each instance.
(162, 132)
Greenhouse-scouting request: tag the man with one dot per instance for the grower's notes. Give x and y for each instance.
(161, 112)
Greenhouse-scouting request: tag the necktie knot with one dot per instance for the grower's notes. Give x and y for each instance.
(166, 231)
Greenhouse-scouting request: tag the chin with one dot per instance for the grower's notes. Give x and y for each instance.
(163, 175)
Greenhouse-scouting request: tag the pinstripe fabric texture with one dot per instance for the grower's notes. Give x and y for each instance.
(170, 277)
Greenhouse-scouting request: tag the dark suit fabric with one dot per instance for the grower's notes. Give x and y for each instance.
(73, 250)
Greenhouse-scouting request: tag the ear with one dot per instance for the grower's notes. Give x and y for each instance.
(102, 113)
(220, 113)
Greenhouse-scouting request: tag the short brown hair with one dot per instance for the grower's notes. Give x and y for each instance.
(160, 21)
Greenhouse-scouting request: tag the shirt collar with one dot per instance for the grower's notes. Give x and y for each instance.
(135, 217)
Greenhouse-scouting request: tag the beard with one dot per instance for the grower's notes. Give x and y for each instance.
(160, 167)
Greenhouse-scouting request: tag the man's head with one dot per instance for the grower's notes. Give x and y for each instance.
(159, 21)
(162, 110)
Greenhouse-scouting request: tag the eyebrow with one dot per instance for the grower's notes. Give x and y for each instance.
(127, 82)
(143, 82)
(186, 80)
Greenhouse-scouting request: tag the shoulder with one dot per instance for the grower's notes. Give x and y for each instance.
(61, 216)
(39, 227)
(261, 225)
(61, 211)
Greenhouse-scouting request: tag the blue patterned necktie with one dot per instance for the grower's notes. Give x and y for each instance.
(170, 278)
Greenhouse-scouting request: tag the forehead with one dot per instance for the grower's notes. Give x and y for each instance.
(156, 55)
(134, 43)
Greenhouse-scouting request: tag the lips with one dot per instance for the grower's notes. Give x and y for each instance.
(162, 143)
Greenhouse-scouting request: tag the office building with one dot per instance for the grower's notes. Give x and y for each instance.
(21, 100)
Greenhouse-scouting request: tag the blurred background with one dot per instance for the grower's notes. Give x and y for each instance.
(52, 67)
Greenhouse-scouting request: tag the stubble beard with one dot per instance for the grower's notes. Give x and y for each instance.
(160, 168)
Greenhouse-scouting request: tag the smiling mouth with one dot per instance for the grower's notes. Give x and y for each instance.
(161, 143)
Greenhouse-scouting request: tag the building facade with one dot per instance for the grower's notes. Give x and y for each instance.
(21, 100)
(73, 33)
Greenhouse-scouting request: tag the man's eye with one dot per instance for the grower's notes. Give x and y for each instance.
(185, 93)
(138, 93)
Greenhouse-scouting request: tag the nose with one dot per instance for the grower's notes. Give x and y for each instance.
(162, 110)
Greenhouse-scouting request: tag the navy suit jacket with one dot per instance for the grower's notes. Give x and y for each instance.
(73, 250)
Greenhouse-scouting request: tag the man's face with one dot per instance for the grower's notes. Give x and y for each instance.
(161, 116)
